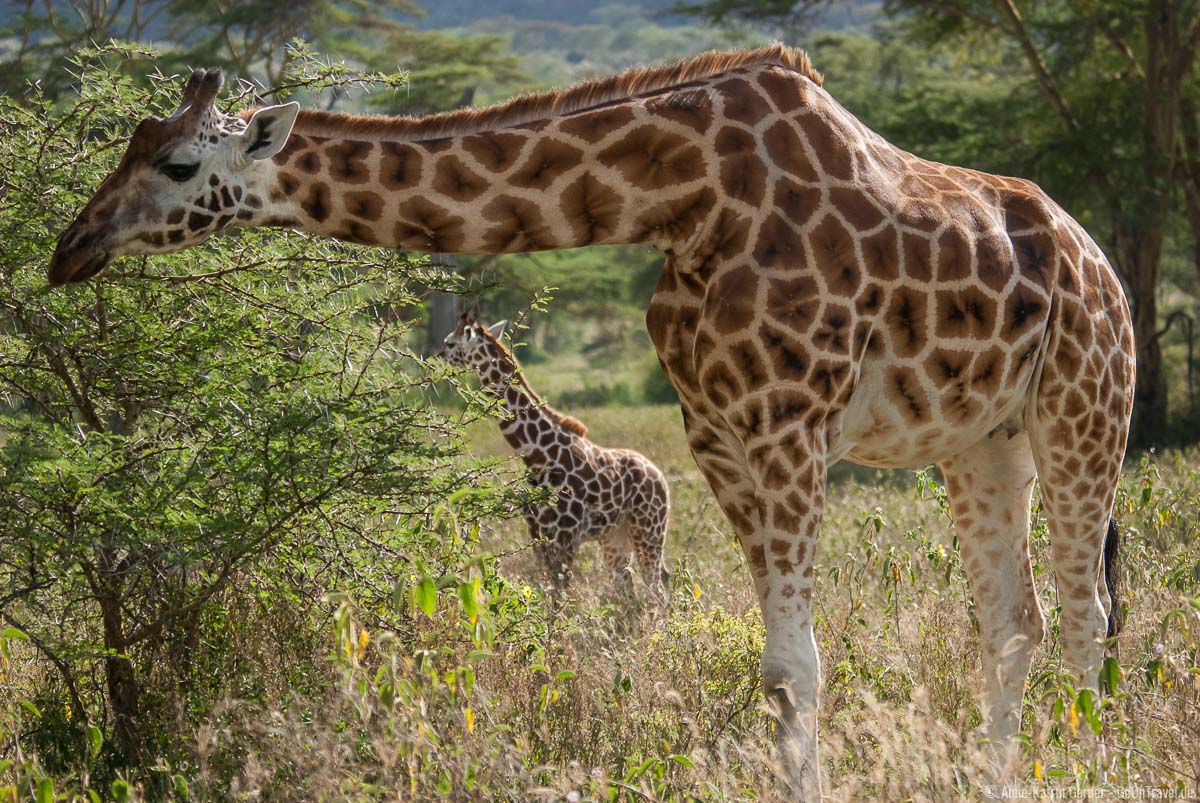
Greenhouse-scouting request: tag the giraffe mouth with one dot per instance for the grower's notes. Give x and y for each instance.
(75, 266)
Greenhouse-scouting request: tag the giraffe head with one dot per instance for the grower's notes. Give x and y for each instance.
(473, 345)
(181, 180)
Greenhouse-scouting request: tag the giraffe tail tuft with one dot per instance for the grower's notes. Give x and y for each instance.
(1112, 578)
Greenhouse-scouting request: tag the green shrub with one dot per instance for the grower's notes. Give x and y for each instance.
(191, 454)
(656, 388)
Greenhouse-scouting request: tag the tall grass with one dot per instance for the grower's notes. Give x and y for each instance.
(475, 686)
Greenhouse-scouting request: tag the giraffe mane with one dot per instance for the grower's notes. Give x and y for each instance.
(566, 422)
(541, 105)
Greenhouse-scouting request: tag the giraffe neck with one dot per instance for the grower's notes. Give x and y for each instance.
(530, 427)
(560, 183)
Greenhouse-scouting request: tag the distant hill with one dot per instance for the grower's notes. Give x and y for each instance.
(463, 13)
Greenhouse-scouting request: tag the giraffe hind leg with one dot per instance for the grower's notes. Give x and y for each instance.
(1078, 425)
(648, 548)
(649, 535)
(1078, 501)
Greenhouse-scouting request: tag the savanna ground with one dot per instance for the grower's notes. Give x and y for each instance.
(673, 709)
(484, 693)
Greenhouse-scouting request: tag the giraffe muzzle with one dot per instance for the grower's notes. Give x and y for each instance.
(72, 263)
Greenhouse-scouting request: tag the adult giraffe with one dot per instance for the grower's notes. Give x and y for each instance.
(826, 296)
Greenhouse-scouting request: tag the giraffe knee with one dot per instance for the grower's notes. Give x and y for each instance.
(1031, 624)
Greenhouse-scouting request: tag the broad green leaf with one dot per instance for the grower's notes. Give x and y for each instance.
(1110, 674)
(425, 595)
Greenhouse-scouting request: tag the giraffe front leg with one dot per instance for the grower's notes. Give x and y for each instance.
(990, 485)
(789, 489)
(617, 551)
(557, 556)
(555, 551)
(774, 496)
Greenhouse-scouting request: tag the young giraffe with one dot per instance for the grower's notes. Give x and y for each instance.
(826, 296)
(614, 495)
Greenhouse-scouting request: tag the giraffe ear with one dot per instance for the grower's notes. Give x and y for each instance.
(496, 330)
(268, 131)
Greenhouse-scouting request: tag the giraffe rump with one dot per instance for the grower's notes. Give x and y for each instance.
(541, 105)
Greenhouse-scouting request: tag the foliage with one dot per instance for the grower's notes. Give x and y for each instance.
(255, 40)
(207, 441)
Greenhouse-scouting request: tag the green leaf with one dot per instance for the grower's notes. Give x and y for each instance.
(1153, 667)
(14, 633)
(566, 674)
(45, 791)
(466, 593)
(120, 791)
(425, 595)
(96, 739)
(1110, 675)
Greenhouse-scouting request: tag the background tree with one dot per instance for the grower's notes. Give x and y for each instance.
(253, 39)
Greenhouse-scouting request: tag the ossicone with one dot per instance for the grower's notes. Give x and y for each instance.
(201, 89)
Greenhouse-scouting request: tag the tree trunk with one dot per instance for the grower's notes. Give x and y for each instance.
(444, 309)
(124, 692)
(1139, 258)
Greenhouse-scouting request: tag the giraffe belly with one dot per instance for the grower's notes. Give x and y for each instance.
(890, 424)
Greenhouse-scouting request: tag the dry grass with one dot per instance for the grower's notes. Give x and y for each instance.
(599, 700)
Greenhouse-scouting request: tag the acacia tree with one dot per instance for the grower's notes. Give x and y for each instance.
(1104, 95)
(254, 39)
(166, 451)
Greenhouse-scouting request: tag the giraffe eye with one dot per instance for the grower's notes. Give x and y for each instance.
(180, 172)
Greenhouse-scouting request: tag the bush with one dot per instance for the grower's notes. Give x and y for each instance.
(656, 388)
(614, 395)
(192, 454)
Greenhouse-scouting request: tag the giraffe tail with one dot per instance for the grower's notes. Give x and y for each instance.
(1112, 578)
